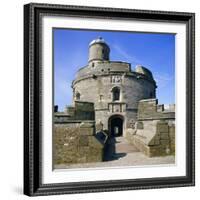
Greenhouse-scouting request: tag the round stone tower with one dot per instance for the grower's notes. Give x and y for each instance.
(113, 87)
(98, 50)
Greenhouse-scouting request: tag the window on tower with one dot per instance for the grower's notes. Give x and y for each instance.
(100, 97)
(116, 94)
(78, 96)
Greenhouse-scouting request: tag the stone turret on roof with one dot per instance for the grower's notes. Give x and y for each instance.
(98, 40)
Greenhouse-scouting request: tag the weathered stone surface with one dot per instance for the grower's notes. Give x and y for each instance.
(149, 109)
(80, 111)
(70, 110)
(139, 125)
(70, 146)
(151, 141)
(164, 142)
(87, 131)
(85, 124)
(163, 128)
(99, 126)
(83, 141)
(172, 132)
(156, 142)
(164, 136)
(172, 138)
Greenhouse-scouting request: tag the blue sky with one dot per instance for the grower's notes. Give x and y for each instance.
(154, 51)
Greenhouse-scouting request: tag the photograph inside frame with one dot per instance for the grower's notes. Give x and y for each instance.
(114, 98)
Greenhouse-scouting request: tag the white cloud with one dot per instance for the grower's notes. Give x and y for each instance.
(128, 57)
(162, 80)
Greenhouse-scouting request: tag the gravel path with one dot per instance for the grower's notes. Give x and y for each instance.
(121, 153)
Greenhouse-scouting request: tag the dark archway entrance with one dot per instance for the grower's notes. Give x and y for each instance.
(116, 125)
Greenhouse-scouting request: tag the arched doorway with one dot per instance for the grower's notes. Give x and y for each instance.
(116, 125)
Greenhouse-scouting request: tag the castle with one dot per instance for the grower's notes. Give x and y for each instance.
(109, 96)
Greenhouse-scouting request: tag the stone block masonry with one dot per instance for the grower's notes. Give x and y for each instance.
(154, 132)
(80, 111)
(149, 109)
(157, 141)
(76, 144)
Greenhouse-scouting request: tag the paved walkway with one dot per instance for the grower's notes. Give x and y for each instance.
(117, 148)
(121, 153)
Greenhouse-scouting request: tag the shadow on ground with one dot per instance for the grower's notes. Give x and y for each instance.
(110, 152)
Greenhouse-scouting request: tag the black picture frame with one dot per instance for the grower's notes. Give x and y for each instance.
(33, 185)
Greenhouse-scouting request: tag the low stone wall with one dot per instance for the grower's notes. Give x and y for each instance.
(153, 138)
(76, 143)
(154, 131)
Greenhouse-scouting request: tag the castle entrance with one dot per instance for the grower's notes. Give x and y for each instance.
(116, 125)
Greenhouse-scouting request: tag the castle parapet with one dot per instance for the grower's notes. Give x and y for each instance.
(149, 109)
(80, 111)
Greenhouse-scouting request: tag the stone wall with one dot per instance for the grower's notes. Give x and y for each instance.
(95, 82)
(102, 67)
(98, 89)
(153, 138)
(154, 132)
(80, 111)
(148, 109)
(75, 142)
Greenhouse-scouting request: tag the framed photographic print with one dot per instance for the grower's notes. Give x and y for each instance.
(108, 99)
